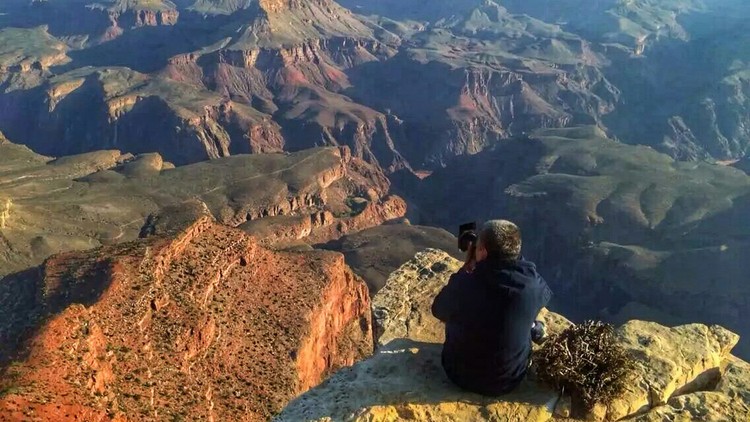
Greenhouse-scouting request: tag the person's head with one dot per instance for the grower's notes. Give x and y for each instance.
(499, 239)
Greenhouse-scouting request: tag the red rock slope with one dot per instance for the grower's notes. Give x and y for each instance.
(202, 325)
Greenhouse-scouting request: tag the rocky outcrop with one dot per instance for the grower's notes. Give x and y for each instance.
(28, 54)
(377, 252)
(84, 201)
(682, 371)
(5, 205)
(728, 401)
(374, 213)
(133, 112)
(155, 17)
(322, 226)
(401, 309)
(125, 15)
(405, 382)
(203, 321)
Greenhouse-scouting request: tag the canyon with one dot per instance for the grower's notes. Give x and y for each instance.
(406, 87)
(620, 232)
(242, 209)
(84, 201)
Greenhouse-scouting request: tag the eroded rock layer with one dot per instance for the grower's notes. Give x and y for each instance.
(204, 323)
(79, 202)
(405, 86)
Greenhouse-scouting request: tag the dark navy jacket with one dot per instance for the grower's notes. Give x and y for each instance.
(488, 315)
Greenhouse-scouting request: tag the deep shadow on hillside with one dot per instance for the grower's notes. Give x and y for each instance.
(613, 227)
(26, 299)
(376, 252)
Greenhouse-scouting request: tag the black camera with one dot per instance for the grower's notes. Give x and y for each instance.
(467, 236)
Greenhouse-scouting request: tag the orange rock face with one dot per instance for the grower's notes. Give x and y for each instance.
(206, 325)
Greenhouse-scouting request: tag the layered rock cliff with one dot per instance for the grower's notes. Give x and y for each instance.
(25, 50)
(130, 14)
(79, 202)
(102, 21)
(200, 322)
(683, 373)
(130, 111)
(291, 62)
(404, 87)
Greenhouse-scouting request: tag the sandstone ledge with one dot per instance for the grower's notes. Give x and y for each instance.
(684, 372)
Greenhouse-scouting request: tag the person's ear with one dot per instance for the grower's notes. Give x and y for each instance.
(481, 252)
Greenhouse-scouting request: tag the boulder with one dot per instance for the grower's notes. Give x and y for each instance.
(405, 382)
(376, 252)
(402, 309)
(671, 362)
(683, 373)
(707, 406)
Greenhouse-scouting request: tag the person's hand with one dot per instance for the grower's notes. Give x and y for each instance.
(470, 262)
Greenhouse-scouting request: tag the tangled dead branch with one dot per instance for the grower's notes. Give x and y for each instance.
(586, 362)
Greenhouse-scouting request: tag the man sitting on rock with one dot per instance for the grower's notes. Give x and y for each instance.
(489, 307)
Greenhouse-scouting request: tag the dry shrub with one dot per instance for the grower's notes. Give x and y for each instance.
(586, 362)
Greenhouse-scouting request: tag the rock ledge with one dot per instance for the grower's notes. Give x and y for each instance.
(684, 372)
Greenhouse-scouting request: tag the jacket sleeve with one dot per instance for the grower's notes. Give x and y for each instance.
(447, 302)
(546, 292)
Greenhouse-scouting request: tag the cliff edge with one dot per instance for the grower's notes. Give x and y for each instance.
(201, 324)
(683, 373)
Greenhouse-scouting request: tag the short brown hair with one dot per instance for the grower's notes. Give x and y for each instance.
(502, 239)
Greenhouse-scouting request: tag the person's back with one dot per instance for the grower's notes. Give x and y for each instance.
(489, 307)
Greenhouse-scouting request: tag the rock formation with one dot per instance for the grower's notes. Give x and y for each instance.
(5, 212)
(376, 252)
(84, 201)
(185, 125)
(685, 372)
(611, 226)
(201, 322)
(25, 50)
(405, 87)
